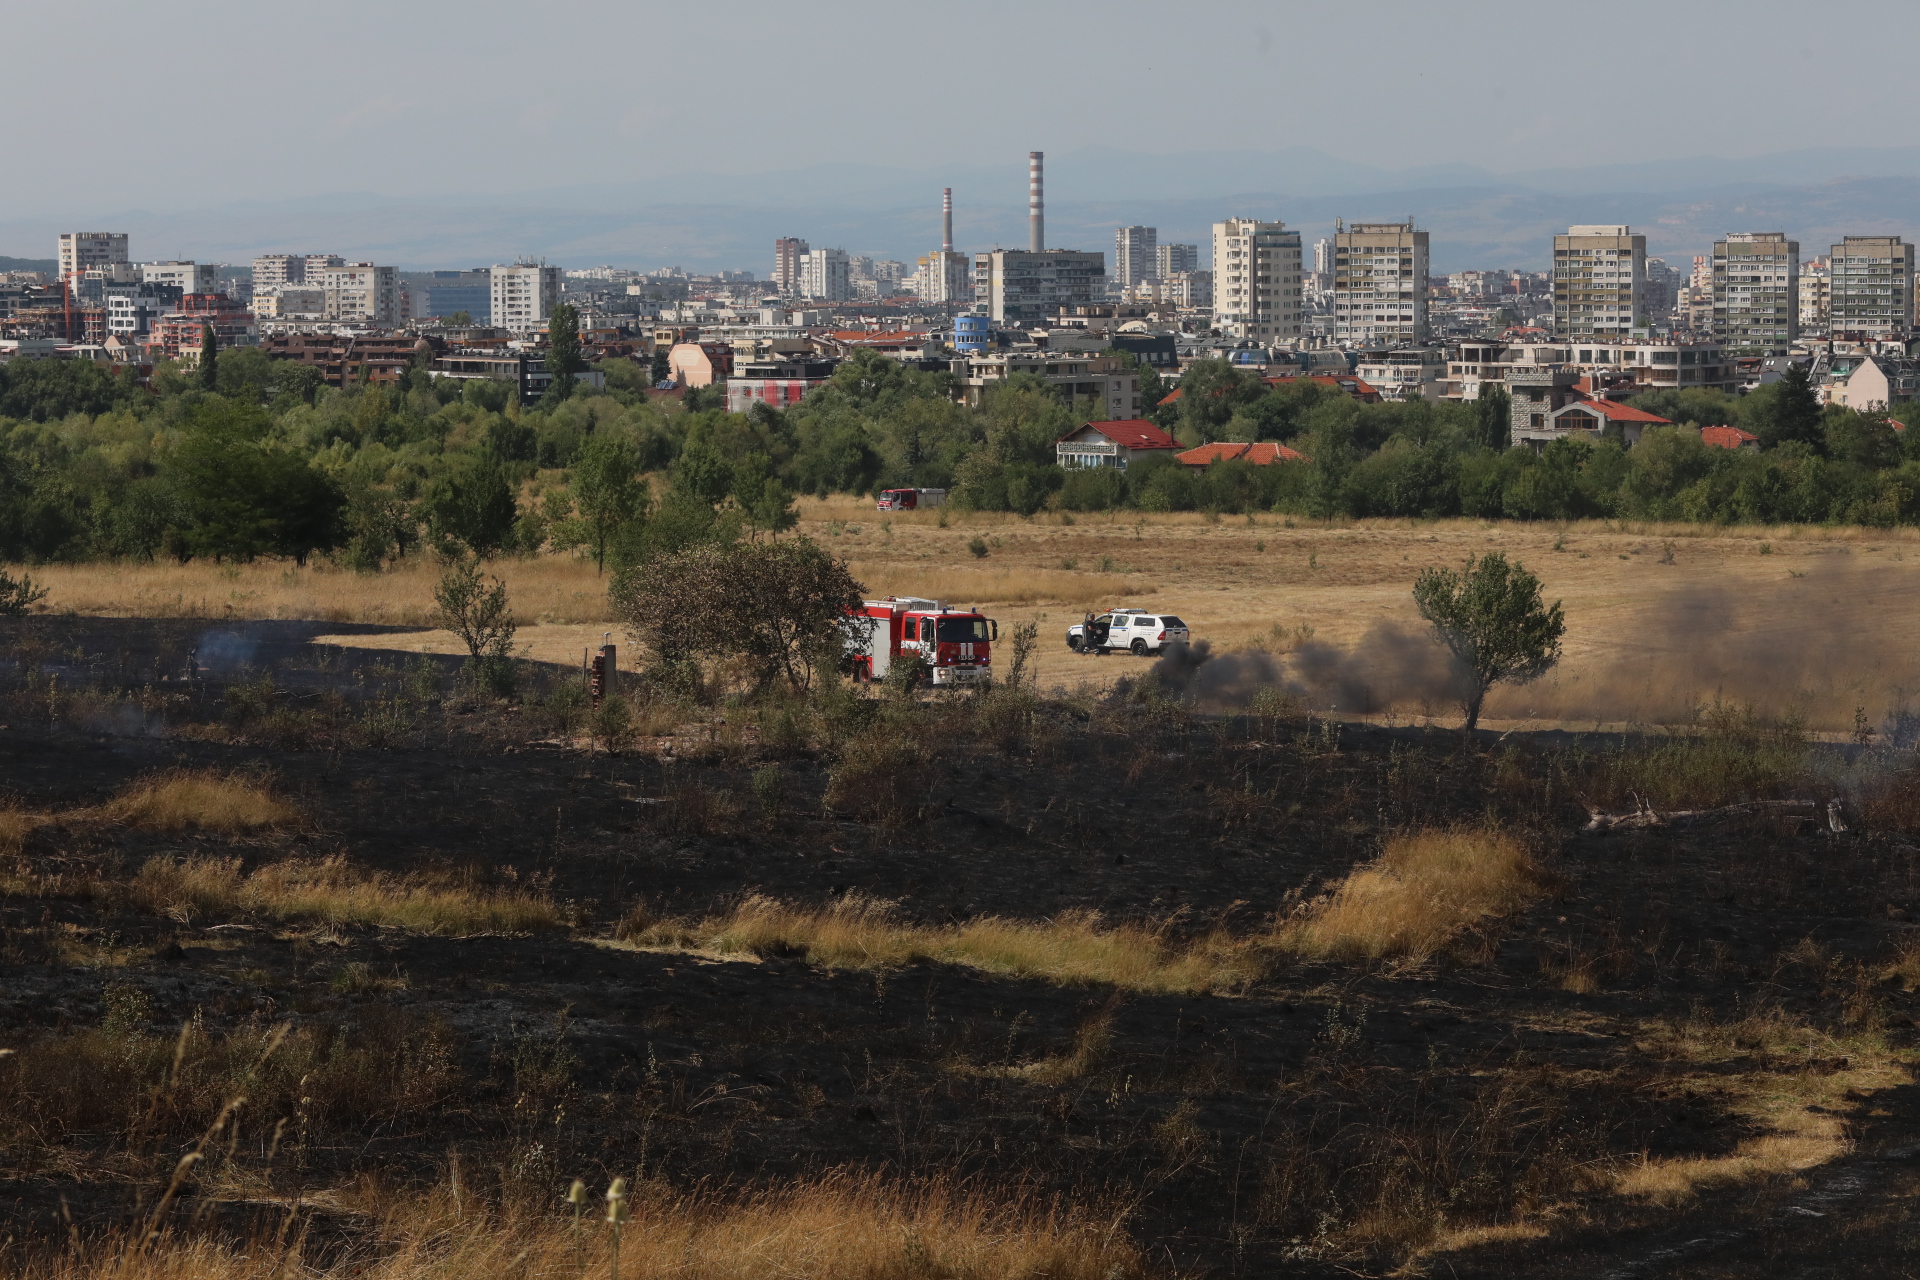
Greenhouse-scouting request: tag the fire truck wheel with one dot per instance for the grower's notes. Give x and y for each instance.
(1139, 648)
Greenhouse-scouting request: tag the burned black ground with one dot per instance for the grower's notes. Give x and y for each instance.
(1332, 1118)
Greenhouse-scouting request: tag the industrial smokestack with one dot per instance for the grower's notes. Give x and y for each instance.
(1036, 201)
(946, 219)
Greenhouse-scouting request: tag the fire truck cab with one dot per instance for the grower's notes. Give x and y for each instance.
(909, 499)
(956, 644)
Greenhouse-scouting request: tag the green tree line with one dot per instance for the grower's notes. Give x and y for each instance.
(260, 459)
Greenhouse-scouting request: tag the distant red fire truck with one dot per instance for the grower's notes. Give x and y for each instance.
(909, 499)
(956, 644)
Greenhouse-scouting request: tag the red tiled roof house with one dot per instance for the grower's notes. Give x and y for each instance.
(1263, 454)
(1111, 444)
(1729, 438)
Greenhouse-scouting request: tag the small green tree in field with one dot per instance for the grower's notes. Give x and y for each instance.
(476, 609)
(18, 596)
(1490, 616)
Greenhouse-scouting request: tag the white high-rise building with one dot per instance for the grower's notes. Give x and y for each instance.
(86, 250)
(523, 295)
(1379, 284)
(1599, 282)
(1134, 253)
(359, 293)
(826, 274)
(1256, 279)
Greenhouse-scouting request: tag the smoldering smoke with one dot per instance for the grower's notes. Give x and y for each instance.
(1391, 666)
(1824, 646)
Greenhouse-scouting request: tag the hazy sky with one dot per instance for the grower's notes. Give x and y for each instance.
(124, 105)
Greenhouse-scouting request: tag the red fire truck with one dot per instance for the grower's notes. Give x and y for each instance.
(909, 499)
(956, 644)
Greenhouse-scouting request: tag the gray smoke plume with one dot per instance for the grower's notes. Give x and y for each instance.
(221, 651)
(1830, 643)
(1390, 667)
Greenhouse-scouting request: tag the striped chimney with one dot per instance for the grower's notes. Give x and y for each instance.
(1036, 201)
(946, 219)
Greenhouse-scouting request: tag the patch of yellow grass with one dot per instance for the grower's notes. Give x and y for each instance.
(333, 891)
(1671, 1182)
(829, 1229)
(16, 825)
(867, 933)
(962, 586)
(1423, 889)
(200, 800)
(559, 588)
(1804, 1111)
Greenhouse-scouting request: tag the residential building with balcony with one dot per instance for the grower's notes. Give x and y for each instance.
(1089, 384)
(1256, 285)
(1112, 443)
(825, 274)
(188, 277)
(1871, 288)
(1022, 287)
(778, 381)
(177, 334)
(1816, 295)
(1134, 252)
(1404, 373)
(523, 296)
(360, 293)
(1756, 291)
(1172, 259)
(1599, 278)
(1380, 284)
(84, 250)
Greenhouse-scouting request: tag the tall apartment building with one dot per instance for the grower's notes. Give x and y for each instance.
(1134, 254)
(787, 252)
(188, 277)
(360, 293)
(83, 250)
(1663, 289)
(826, 274)
(1599, 279)
(1756, 290)
(1871, 287)
(1020, 286)
(523, 295)
(944, 276)
(1816, 281)
(271, 270)
(1380, 284)
(1256, 279)
(1172, 259)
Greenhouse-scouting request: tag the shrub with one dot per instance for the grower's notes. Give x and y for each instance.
(881, 777)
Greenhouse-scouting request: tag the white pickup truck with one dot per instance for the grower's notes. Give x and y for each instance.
(1134, 630)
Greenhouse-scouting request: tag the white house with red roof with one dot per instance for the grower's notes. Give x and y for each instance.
(1111, 444)
(1585, 417)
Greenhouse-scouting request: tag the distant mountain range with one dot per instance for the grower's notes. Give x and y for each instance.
(709, 221)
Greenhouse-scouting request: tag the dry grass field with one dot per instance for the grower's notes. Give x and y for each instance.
(1661, 619)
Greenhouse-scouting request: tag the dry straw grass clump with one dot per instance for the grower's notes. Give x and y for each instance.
(1425, 888)
(334, 891)
(199, 800)
(1075, 947)
(830, 1229)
